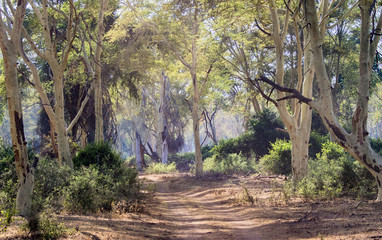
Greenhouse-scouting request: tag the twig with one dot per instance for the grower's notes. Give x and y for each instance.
(358, 204)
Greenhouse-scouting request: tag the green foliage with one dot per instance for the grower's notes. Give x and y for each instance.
(50, 180)
(50, 228)
(100, 154)
(264, 128)
(376, 145)
(161, 168)
(91, 190)
(85, 194)
(242, 144)
(233, 163)
(46, 225)
(6, 218)
(8, 177)
(315, 143)
(278, 160)
(333, 174)
(182, 161)
(207, 151)
(262, 132)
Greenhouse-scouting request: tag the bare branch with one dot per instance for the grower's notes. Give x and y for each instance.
(261, 29)
(294, 93)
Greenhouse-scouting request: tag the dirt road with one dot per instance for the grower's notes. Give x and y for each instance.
(201, 213)
(178, 206)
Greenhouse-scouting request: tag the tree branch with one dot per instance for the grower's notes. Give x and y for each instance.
(294, 93)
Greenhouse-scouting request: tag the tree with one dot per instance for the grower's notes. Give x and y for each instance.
(98, 86)
(356, 142)
(296, 117)
(10, 33)
(56, 53)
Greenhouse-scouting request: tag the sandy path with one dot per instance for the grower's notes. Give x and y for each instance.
(202, 214)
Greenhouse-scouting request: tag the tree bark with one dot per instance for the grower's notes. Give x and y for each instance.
(58, 67)
(298, 123)
(195, 99)
(356, 143)
(9, 43)
(98, 86)
(19, 144)
(62, 138)
(138, 154)
(162, 125)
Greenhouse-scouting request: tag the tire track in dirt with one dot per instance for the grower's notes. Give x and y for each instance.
(200, 214)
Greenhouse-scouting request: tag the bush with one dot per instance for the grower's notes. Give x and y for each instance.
(99, 154)
(182, 161)
(262, 132)
(207, 151)
(85, 194)
(264, 127)
(278, 160)
(161, 168)
(315, 143)
(242, 144)
(50, 180)
(233, 163)
(50, 228)
(46, 226)
(91, 190)
(334, 173)
(376, 145)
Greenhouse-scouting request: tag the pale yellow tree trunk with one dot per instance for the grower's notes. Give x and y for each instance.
(23, 169)
(9, 43)
(62, 138)
(98, 78)
(298, 123)
(58, 66)
(356, 143)
(195, 99)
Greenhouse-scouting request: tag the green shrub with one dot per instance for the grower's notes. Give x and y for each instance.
(46, 226)
(50, 228)
(233, 163)
(376, 145)
(6, 218)
(85, 193)
(91, 190)
(263, 130)
(50, 180)
(183, 161)
(161, 168)
(207, 151)
(278, 160)
(99, 154)
(264, 127)
(333, 174)
(315, 143)
(243, 144)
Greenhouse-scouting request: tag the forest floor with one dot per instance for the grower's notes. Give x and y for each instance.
(178, 206)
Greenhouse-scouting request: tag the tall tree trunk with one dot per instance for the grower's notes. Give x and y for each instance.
(162, 121)
(98, 86)
(138, 155)
(356, 143)
(10, 47)
(299, 123)
(19, 144)
(62, 138)
(165, 151)
(84, 137)
(195, 102)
